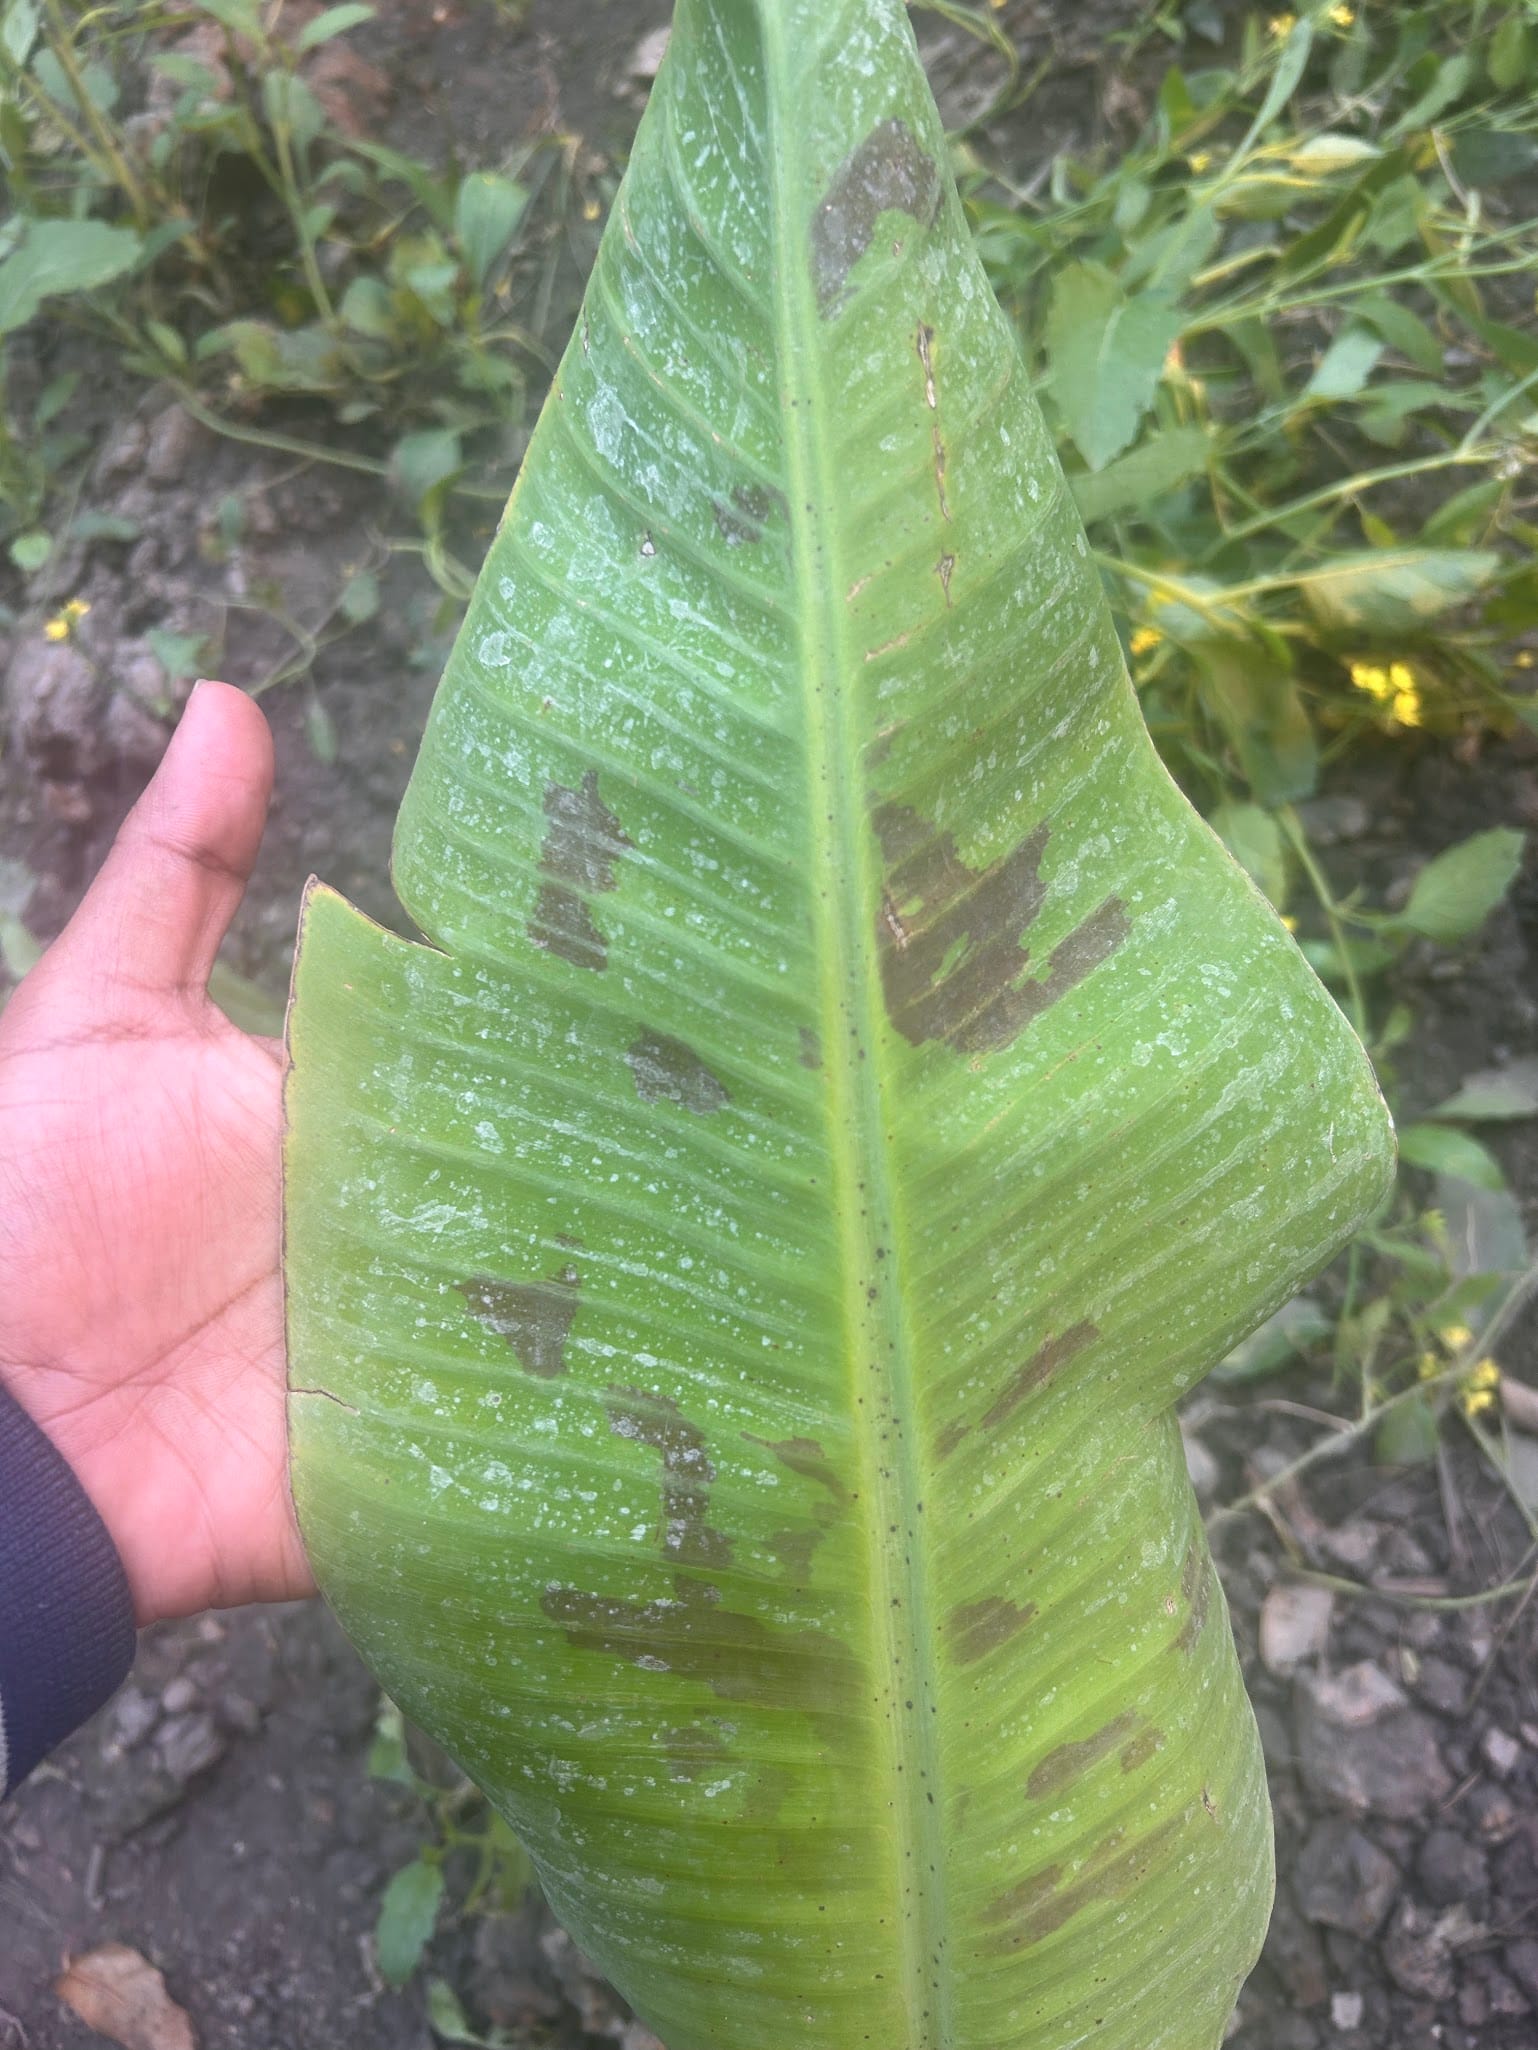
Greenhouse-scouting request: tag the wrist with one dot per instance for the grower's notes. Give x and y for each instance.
(66, 1617)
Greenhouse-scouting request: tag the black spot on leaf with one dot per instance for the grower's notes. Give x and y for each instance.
(687, 1473)
(582, 843)
(890, 172)
(740, 1658)
(534, 1317)
(949, 937)
(742, 523)
(667, 1071)
(977, 1628)
(1044, 1903)
(1069, 1762)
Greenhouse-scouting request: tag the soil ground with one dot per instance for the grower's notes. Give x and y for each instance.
(218, 1816)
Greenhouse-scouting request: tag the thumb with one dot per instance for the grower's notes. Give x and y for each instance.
(152, 921)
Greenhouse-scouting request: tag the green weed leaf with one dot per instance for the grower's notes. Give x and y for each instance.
(407, 1918)
(1254, 839)
(1259, 705)
(1495, 1094)
(1443, 1149)
(1455, 893)
(61, 256)
(486, 215)
(1144, 474)
(333, 21)
(1106, 354)
(31, 550)
(1344, 368)
(18, 29)
(1393, 590)
(1283, 1338)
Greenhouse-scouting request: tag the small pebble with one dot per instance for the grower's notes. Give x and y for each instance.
(1294, 1626)
(1346, 2011)
(1502, 1752)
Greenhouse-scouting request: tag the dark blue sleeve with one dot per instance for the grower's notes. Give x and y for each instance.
(66, 1619)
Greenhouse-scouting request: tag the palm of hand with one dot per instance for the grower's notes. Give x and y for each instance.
(141, 1314)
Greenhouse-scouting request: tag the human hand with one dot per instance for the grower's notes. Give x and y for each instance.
(141, 1295)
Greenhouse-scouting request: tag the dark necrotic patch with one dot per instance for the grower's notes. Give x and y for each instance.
(1141, 1749)
(949, 937)
(582, 842)
(806, 1457)
(1196, 1589)
(740, 1658)
(976, 1628)
(742, 523)
(667, 1071)
(1042, 1904)
(535, 1317)
(890, 172)
(1069, 1762)
(1051, 1355)
(811, 1048)
(694, 1749)
(687, 1473)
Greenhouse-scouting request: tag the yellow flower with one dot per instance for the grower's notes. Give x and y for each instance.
(1485, 1375)
(1282, 25)
(1477, 1390)
(1144, 639)
(1428, 1366)
(63, 624)
(1475, 1401)
(1455, 1336)
(1406, 707)
(1342, 15)
(1201, 160)
(1369, 677)
(1526, 658)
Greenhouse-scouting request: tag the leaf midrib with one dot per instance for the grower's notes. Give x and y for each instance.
(877, 1350)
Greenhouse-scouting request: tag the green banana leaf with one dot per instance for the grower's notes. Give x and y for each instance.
(741, 1266)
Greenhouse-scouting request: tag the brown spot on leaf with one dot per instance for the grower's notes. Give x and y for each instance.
(1141, 1749)
(805, 1456)
(1051, 1355)
(977, 1628)
(1069, 1762)
(694, 1749)
(535, 1317)
(795, 1550)
(811, 1048)
(924, 342)
(742, 523)
(687, 1473)
(949, 937)
(890, 172)
(1041, 1904)
(945, 504)
(947, 1440)
(667, 1071)
(945, 568)
(1196, 1587)
(582, 843)
(740, 1658)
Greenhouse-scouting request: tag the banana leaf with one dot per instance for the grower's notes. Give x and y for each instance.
(741, 1262)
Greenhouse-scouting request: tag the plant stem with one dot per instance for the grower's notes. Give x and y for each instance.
(64, 55)
(1292, 826)
(294, 199)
